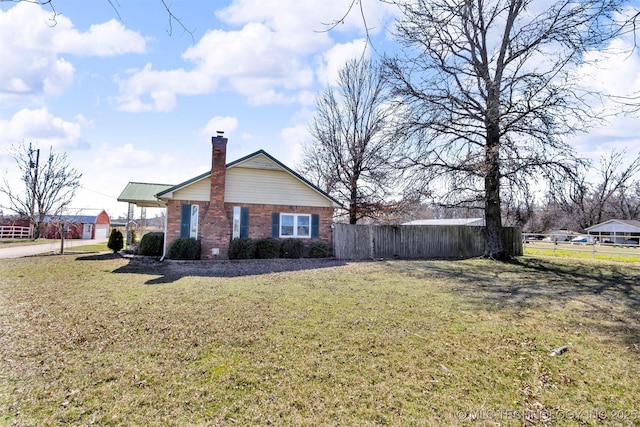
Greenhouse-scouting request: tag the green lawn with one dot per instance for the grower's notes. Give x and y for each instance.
(599, 252)
(97, 340)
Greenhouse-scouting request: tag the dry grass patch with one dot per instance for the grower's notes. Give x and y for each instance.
(99, 340)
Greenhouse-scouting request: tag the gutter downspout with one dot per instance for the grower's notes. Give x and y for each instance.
(164, 235)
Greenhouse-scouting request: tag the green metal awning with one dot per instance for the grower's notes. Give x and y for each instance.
(143, 194)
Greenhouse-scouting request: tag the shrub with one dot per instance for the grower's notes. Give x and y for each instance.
(116, 241)
(243, 248)
(291, 248)
(267, 248)
(134, 236)
(184, 248)
(319, 250)
(151, 244)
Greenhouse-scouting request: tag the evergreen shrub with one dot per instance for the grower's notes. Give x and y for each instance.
(291, 248)
(116, 241)
(151, 244)
(243, 248)
(267, 248)
(184, 248)
(319, 250)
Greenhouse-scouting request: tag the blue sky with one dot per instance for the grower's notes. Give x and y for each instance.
(129, 102)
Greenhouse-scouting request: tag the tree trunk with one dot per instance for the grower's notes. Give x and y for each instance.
(495, 247)
(353, 205)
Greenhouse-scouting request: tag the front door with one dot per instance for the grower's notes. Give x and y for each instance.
(87, 230)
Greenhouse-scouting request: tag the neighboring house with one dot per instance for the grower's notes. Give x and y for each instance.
(76, 226)
(255, 196)
(616, 231)
(476, 222)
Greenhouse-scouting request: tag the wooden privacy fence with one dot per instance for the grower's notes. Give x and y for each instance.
(415, 241)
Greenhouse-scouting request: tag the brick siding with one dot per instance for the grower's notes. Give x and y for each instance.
(214, 235)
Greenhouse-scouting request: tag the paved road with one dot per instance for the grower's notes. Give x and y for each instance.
(27, 250)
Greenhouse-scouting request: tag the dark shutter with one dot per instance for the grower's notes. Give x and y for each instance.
(185, 221)
(315, 226)
(244, 222)
(275, 225)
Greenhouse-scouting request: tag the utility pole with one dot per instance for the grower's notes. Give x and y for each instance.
(33, 165)
(63, 229)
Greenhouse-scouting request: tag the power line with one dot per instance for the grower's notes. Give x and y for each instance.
(98, 192)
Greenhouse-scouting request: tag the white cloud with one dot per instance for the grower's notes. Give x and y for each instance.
(43, 129)
(108, 39)
(266, 58)
(293, 138)
(334, 58)
(300, 18)
(125, 156)
(614, 71)
(166, 159)
(219, 123)
(161, 87)
(31, 49)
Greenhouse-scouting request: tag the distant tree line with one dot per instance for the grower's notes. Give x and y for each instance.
(612, 193)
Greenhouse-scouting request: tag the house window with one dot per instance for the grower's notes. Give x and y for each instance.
(295, 225)
(236, 222)
(193, 231)
(240, 222)
(189, 221)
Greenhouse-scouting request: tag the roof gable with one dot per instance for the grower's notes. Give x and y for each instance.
(259, 160)
(622, 225)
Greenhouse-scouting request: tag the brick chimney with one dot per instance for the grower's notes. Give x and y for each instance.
(217, 232)
(218, 168)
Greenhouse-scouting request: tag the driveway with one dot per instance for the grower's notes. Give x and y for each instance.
(28, 250)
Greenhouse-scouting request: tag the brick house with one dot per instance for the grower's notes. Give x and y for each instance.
(255, 196)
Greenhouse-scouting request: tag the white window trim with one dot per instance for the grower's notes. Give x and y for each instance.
(236, 222)
(193, 227)
(295, 226)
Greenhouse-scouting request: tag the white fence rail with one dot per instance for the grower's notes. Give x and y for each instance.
(14, 232)
(577, 245)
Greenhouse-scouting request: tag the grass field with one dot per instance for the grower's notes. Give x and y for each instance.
(98, 340)
(599, 252)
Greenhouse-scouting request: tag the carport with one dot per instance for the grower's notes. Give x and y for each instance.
(142, 195)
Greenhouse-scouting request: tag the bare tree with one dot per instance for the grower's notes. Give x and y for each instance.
(353, 155)
(614, 194)
(490, 95)
(49, 185)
